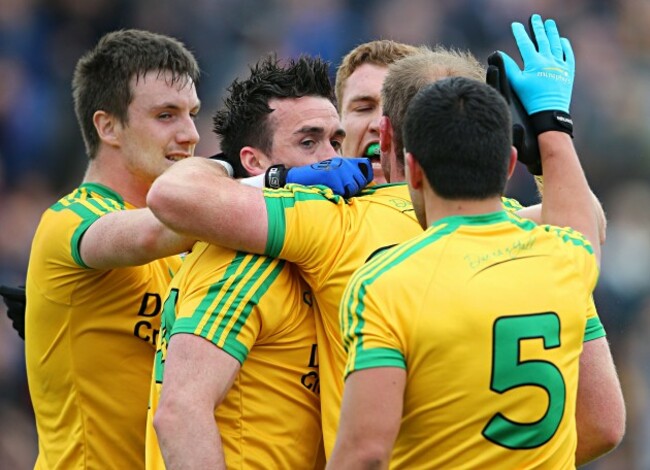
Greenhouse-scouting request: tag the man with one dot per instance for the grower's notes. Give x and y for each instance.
(99, 263)
(600, 409)
(406, 77)
(290, 224)
(327, 237)
(236, 373)
(359, 79)
(410, 315)
(358, 92)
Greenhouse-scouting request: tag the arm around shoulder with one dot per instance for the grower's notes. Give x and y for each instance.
(196, 197)
(129, 238)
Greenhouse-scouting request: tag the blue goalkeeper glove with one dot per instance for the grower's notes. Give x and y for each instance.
(344, 176)
(546, 82)
(15, 300)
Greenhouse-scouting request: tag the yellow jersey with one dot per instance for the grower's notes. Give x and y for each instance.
(90, 339)
(258, 310)
(487, 314)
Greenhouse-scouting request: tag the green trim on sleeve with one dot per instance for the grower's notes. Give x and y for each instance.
(377, 357)
(594, 329)
(276, 223)
(89, 202)
(239, 292)
(277, 203)
(75, 242)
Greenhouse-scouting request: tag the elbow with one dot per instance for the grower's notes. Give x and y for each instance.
(373, 458)
(602, 439)
(612, 436)
(608, 440)
(161, 202)
(166, 419)
(614, 431)
(366, 456)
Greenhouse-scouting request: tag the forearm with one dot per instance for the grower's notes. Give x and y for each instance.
(189, 439)
(567, 201)
(130, 238)
(196, 197)
(175, 194)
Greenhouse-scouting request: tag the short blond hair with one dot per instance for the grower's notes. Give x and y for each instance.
(408, 75)
(382, 52)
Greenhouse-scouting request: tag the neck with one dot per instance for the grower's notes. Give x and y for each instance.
(438, 208)
(115, 176)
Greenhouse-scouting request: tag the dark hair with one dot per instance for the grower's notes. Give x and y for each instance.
(408, 75)
(102, 77)
(459, 131)
(244, 118)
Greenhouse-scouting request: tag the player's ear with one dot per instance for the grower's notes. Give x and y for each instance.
(385, 135)
(413, 172)
(108, 127)
(513, 161)
(254, 161)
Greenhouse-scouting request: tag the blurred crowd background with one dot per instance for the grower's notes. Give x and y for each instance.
(42, 155)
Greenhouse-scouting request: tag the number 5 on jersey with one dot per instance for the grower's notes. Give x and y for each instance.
(509, 372)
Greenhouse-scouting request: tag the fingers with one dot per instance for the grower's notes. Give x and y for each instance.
(546, 39)
(567, 51)
(554, 39)
(526, 47)
(538, 29)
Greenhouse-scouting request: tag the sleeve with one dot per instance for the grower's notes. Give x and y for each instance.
(82, 213)
(370, 324)
(305, 226)
(594, 328)
(585, 262)
(511, 205)
(226, 311)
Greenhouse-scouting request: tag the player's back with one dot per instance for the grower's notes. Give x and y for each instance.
(487, 314)
(258, 310)
(90, 341)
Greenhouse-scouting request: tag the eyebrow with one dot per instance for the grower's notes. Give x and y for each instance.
(365, 97)
(315, 130)
(171, 105)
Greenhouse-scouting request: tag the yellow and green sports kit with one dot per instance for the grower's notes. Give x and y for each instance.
(487, 314)
(90, 340)
(258, 310)
(328, 238)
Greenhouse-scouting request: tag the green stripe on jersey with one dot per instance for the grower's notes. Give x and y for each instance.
(279, 200)
(239, 291)
(568, 235)
(89, 202)
(369, 273)
(511, 205)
